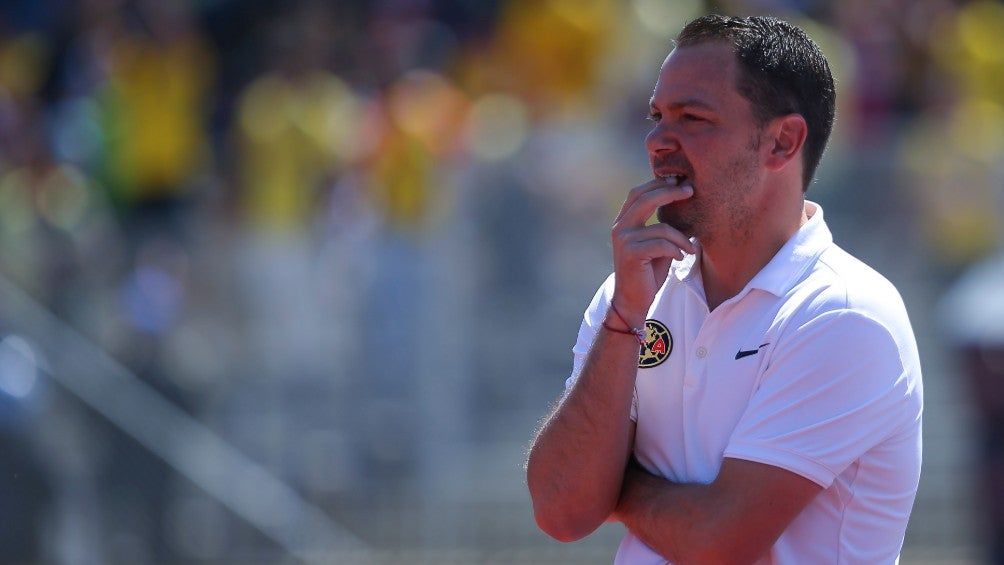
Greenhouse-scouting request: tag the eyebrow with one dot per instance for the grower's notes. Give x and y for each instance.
(687, 103)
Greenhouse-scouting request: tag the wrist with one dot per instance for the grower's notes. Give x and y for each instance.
(617, 323)
(627, 315)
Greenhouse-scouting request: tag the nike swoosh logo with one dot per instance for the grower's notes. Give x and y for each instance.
(748, 352)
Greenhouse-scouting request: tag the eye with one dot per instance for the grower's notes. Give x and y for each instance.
(692, 118)
(653, 116)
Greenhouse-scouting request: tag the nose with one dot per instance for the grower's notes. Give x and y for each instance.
(661, 139)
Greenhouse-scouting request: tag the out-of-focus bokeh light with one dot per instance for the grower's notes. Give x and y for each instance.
(19, 371)
(498, 126)
(979, 27)
(663, 18)
(978, 130)
(427, 106)
(23, 62)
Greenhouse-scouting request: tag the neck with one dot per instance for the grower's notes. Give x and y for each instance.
(729, 263)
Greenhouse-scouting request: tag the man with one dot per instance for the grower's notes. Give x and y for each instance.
(773, 413)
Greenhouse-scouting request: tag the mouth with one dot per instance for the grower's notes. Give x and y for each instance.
(673, 179)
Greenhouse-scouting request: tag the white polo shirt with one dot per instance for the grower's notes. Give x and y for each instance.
(812, 367)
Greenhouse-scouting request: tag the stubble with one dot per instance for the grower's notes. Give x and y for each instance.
(722, 212)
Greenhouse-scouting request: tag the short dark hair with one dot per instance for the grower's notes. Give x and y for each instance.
(783, 71)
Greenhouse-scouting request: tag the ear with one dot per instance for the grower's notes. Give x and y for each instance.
(786, 136)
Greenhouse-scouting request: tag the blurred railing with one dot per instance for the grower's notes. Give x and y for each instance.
(39, 346)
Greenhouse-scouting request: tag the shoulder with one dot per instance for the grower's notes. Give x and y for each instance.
(840, 282)
(848, 316)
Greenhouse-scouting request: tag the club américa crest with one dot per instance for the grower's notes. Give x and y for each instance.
(658, 345)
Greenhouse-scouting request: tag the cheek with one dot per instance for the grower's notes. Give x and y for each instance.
(714, 158)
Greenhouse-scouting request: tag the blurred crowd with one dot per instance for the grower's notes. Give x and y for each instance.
(334, 230)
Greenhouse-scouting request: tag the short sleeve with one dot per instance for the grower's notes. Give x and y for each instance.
(591, 321)
(832, 390)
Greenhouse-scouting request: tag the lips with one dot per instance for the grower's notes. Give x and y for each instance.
(675, 179)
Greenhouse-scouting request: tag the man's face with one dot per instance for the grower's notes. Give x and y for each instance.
(704, 135)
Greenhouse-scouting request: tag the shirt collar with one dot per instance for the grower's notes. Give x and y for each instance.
(797, 255)
(788, 264)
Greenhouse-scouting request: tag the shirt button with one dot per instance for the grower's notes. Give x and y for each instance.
(702, 352)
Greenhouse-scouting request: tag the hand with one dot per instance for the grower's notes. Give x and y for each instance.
(642, 254)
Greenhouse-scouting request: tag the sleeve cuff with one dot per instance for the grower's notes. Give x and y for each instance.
(798, 464)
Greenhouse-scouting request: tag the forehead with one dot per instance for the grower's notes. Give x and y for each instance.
(705, 73)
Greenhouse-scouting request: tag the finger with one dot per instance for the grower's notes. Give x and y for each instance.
(656, 231)
(631, 228)
(646, 202)
(647, 186)
(643, 188)
(652, 252)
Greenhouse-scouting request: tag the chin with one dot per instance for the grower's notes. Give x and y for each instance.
(672, 215)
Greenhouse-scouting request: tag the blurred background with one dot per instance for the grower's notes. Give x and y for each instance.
(293, 281)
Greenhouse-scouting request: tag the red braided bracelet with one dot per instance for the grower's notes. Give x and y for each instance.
(639, 334)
